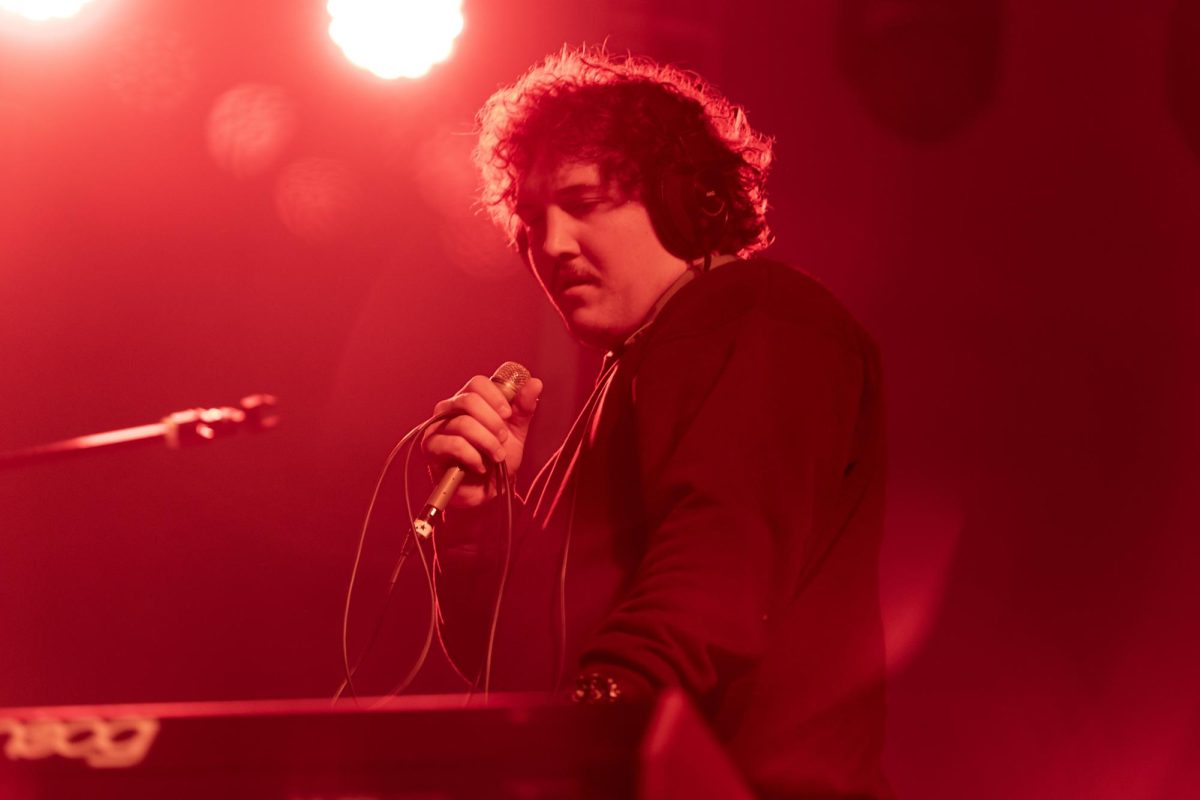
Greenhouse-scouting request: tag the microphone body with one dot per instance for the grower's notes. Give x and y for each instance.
(509, 377)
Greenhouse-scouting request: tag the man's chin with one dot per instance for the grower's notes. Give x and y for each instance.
(594, 336)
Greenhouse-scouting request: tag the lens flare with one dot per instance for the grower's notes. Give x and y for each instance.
(395, 38)
(40, 10)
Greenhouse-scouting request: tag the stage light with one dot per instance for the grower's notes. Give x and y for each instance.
(395, 38)
(40, 10)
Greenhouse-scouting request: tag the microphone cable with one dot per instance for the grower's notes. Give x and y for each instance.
(410, 540)
(484, 676)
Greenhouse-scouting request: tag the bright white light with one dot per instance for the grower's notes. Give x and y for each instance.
(395, 38)
(43, 9)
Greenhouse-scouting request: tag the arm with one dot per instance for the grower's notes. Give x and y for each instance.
(484, 430)
(745, 430)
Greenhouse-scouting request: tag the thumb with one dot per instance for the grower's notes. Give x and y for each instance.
(525, 404)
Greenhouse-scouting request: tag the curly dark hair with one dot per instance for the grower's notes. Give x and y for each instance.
(632, 117)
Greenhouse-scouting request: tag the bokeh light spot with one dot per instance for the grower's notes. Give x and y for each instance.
(41, 10)
(153, 70)
(448, 183)
(316, 198)
(395, 38)
(924, 526)
(249, 127)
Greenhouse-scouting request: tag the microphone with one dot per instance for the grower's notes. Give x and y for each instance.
(509, 377)
(253, 413)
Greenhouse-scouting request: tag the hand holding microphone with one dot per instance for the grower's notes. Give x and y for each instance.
(490, 423)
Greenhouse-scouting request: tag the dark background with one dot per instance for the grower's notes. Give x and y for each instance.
(1005, 193)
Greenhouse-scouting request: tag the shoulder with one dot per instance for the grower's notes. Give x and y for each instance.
(759, 295)
(751, 346)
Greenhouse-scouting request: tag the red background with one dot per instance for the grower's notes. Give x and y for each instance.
(1003, 192)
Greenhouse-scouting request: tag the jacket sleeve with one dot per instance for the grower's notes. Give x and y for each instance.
(745, 429)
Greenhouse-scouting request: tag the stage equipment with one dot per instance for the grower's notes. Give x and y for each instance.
(517, 746)
(510, 377)
(253, 413)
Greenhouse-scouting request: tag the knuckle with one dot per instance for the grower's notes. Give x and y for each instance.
(478, 384)
(441, 448)
(483, 412)
(470, 429)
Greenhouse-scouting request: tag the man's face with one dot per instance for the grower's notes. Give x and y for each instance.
(594, 252)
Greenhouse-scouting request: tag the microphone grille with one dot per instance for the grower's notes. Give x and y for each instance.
(510, 377)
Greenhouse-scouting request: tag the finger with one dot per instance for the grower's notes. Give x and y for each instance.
(479, 385)
(479, 437)
(489, 391)
(455, 450)
(472, 492)
(474, 405)
(525, 403)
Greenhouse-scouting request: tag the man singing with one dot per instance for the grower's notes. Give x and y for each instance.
(712, 520)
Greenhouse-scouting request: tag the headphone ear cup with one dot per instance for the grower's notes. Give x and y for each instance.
(677, 213)
(522, 242)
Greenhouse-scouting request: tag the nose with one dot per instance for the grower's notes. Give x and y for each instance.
(558, 235)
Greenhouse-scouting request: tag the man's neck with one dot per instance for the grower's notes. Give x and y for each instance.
(694, 269)
(718, 260)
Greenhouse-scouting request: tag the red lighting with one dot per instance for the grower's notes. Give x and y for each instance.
(249, 127)
(395, 38)
(447, 182)
(152, 69)
(315, 198)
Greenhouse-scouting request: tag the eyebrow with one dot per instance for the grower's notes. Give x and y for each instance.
(570, 192)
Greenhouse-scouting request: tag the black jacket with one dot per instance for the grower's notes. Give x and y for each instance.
(719, 506)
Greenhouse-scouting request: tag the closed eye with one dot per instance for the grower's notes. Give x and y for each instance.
(581, 207)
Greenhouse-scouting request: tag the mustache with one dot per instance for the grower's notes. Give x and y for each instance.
(565, 278)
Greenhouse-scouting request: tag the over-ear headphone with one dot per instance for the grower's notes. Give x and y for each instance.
(687, 209)
(521, 240)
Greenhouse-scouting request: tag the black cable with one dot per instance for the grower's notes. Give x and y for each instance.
(504, 490)
(411, 539)
(585, 418)
(348, 672)
(411, 536)
(347, 682)
(508, 543)
(561, 661)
